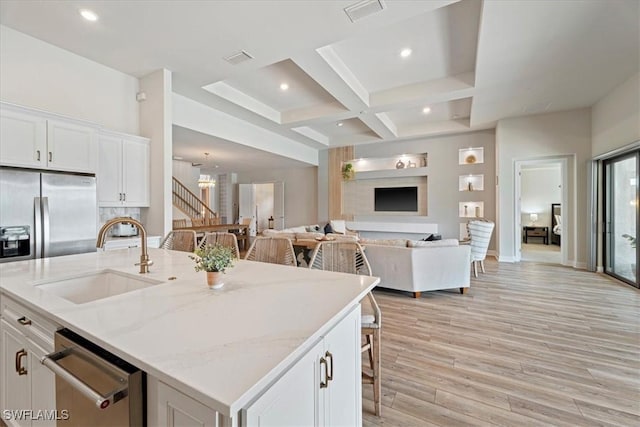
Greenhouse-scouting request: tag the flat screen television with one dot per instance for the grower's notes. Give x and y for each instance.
(396, 199)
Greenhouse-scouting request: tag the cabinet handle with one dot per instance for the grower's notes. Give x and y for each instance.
(50, 156)
(329, 357)
(21, 370)
(38, 155)
(24, 321)
(124, 197)
(325, 383)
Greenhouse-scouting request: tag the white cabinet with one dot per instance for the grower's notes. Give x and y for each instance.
(32, 140)
(16, 383)
(167, 407)
(322, 389)
(23, 139)
(70, 147)
(25, 384)
(123, 170)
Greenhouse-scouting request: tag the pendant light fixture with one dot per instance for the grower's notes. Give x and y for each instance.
(205, 181)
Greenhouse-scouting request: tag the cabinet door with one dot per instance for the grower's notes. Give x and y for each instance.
(23, 139)
(14, 388)
(294, 400)
(167, 407)
(109, 173)
(343, 397)
(70, 147)
(43, 386)
(135, 177)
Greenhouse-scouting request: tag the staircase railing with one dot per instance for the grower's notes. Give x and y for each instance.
(189, 203)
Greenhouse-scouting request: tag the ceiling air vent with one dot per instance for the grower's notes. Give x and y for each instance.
(363, 8)
(238, 57)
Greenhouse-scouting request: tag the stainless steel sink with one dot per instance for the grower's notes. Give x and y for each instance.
(84, 288)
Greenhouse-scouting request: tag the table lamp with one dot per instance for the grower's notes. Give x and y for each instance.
(533, 217)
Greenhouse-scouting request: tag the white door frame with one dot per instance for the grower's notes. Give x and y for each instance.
(567, 221)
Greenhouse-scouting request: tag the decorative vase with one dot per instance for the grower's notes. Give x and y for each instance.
(400, 164)
(214, 279)
(477, 211)
(470, 186)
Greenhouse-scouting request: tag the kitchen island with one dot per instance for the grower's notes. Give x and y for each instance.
(227, 351)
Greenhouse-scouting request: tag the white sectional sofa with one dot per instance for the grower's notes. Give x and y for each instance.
(432, 266)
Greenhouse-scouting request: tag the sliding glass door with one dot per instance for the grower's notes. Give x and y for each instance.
(622, 218)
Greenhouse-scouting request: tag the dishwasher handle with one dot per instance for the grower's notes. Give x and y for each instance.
(101, 401)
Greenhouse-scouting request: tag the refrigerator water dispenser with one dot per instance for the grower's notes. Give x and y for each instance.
(14, 241)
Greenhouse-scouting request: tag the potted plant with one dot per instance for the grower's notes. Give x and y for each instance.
(348, 172)
(214, 259)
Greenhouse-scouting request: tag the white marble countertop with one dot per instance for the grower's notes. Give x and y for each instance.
(219, 347)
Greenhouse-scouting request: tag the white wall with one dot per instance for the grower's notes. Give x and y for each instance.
(540, 187)
(300, 192)
(615, 119)
(40, 75)
(538, 137)
(443, 172)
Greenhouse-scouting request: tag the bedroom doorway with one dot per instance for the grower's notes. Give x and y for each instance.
(540, 195)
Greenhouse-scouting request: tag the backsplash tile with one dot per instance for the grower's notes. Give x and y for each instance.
(107, 213)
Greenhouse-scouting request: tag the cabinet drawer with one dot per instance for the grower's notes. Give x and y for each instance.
(537, 233)
(32, 325)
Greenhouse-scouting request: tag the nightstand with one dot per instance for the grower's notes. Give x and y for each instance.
(535, 231)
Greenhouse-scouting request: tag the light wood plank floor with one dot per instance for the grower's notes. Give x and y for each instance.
(529, 345)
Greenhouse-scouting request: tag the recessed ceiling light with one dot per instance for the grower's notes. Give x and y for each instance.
(406, 52)
(89, 15)
(339, 124)
(284, 86)
(426, 110)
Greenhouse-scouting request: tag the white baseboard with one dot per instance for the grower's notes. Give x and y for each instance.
(599, 269)
(506, 259)
(580, 265)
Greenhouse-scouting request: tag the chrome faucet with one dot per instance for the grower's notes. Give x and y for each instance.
(145, 262)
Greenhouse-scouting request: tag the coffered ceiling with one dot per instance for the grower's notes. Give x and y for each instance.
(471, 63)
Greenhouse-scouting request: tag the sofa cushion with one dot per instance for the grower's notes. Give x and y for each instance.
(343, 237)
(402, 243)
(339, 226)
(432, 244)
(278, 233)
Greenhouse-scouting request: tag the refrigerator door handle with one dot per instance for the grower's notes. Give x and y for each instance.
(46, 227)
(37, 225)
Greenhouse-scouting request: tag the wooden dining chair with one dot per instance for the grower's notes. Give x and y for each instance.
(197, 222)
(180, 240)
(349, 257)
(225, 239)
(274, 250)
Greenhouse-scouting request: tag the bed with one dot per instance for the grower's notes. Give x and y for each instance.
(556, 224)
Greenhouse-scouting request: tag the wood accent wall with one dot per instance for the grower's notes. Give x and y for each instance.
(336, 157)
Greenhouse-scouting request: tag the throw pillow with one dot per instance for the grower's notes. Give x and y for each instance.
(339, 226)
(313, 228)
(328, 228)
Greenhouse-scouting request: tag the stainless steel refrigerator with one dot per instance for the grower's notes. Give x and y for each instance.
(46, 214)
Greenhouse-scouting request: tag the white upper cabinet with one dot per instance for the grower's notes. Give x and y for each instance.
(23, 139)
(70, 147)
(35, 140)
(123, 170)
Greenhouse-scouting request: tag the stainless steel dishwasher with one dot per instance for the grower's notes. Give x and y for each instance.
(95, 387)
